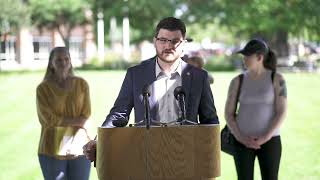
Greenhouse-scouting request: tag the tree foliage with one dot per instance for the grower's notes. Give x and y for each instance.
(13, 14)
(274, 20)
(62, 15)
(143, 14)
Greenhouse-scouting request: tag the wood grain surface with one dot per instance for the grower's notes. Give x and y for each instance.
(160, 153)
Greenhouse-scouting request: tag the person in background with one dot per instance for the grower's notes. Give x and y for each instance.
(63, 107)
(262, 109)
(199, 63)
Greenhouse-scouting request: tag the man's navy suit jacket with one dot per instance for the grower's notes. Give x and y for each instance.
(198, 99)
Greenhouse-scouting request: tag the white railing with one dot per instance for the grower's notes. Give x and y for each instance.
(42, 46)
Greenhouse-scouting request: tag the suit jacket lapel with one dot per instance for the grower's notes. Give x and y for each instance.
(150, 75)
(149, 78)
(186, 80)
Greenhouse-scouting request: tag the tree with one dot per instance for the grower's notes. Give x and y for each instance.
(61, 15)
(143, 14)
(13, 14)
(273, 20)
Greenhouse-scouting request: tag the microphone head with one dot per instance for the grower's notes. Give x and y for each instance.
(122, 122)
(146, 90)
(179, 91)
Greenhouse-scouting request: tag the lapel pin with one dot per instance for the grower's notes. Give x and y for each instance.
(188, 73)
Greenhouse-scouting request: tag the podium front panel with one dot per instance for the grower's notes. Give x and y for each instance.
(160, 153)
(171, 153)
(120, 153)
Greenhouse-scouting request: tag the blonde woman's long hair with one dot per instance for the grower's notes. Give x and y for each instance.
(50, 72)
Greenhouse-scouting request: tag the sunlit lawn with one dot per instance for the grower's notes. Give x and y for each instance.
(20, 129)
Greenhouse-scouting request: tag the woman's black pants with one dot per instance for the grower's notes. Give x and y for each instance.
(269, 156)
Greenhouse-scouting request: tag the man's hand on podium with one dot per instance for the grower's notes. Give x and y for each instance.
(89, 150)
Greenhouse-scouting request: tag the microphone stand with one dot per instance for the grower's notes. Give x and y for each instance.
(147, 119)
(146, 110)
(153, 122)
(182, 104)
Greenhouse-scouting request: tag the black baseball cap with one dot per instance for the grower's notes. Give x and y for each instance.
(254, 46)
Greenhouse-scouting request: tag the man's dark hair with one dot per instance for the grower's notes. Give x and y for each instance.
(171, 24)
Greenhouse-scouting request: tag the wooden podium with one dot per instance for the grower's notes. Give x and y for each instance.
(160, 153)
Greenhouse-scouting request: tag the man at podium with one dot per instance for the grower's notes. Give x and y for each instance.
(158, 78)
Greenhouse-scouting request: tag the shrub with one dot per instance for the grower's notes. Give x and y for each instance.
(222, 63)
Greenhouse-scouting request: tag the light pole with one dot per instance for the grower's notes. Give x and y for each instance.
(100, 29)
(126, 32)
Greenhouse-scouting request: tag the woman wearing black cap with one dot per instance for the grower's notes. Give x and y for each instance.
(262, 107)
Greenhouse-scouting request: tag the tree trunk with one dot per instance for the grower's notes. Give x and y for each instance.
(65, 37)
(66, 41)
(279, 43)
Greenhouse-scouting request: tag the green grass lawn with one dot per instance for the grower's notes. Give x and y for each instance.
(20, 129)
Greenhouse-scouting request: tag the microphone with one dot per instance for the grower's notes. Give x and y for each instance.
(179, 94)
(146, 90)
(146, 94)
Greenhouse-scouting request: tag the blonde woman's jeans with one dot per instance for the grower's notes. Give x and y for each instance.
(55, 169)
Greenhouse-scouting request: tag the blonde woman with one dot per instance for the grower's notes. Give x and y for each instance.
(63, 106)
